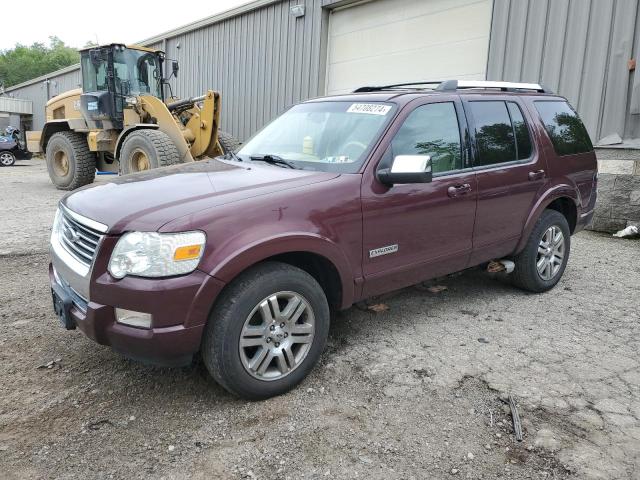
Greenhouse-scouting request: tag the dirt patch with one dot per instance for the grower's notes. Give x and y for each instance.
(410, 391)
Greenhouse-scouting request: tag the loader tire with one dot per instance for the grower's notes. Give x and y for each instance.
(228, 142)
(146, 149)
(69, 161)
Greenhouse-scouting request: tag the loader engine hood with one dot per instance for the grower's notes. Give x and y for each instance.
(148, 200)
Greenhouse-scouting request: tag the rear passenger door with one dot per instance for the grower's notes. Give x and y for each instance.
(510, 172)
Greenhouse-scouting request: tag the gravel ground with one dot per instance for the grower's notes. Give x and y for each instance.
(416, 391)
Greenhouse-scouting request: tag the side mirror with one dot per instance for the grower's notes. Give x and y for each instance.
(407, 169)
(174, 68)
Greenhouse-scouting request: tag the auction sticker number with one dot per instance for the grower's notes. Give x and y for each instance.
(370, 108)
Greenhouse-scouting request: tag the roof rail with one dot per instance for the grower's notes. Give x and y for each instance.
(448, 85)
(451, 85)
(395, 85)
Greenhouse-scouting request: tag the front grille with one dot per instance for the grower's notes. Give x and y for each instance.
(78, 239)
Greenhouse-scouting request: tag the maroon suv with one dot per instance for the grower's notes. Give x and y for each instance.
(242, 258)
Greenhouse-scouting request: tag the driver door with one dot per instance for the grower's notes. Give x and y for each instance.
(412, 232)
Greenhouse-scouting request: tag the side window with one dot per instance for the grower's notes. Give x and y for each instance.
(431, 130)
(495, 139)
(564, 127)
(523, 140)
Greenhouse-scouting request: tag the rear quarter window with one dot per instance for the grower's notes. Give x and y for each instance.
(565, 129)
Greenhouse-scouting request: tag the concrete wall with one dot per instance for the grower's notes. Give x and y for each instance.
(618, 202)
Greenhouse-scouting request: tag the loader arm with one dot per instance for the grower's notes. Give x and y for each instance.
(167, 123)
(204, 126)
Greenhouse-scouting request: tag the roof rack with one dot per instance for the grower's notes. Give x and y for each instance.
(504, 86)
(452, 85)
(395, 85)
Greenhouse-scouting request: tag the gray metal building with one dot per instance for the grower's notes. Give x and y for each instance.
(268, 54)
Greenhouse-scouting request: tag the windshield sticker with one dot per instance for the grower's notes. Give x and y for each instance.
(370, 108)
(339, 159)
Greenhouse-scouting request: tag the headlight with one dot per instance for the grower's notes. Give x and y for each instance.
(150, 254)
(56, 229)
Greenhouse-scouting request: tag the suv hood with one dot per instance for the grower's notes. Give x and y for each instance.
(146, 201)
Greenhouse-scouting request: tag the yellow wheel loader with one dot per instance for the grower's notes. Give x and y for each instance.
(120, 121)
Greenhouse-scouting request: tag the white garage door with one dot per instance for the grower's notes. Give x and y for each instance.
(395, 41)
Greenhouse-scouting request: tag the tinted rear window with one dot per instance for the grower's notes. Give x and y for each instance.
(567, 133)
(494, 133)
(523, 140)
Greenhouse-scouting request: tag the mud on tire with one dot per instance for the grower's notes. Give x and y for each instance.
(69, 161)
(146, 149)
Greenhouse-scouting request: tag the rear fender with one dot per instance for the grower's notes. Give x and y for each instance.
(227, 268)
(62, 125)
(558, 191)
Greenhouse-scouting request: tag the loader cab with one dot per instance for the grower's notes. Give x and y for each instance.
(112, 74)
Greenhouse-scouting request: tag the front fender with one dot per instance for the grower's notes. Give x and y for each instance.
(557, 191)
(127, 130)
(227, 268)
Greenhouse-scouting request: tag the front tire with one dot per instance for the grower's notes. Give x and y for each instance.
(7, 158)
(146, 149)
(267, 331)
(543, 260)
(70, 163)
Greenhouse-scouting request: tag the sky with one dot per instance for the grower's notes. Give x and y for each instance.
(77, 22)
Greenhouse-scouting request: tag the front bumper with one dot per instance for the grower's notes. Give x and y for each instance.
(180, 307)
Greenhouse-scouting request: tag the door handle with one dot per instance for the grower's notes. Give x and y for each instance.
(536, 175)
(457, 190)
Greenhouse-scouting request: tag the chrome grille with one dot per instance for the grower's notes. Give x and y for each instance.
(78, 239)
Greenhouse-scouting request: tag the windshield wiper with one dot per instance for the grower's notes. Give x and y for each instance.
(274, 160)
(231, 155)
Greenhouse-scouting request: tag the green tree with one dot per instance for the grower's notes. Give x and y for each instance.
(22, 63)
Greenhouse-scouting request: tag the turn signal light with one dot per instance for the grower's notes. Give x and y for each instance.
(188, 252)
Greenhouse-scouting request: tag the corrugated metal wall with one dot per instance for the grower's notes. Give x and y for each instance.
(261, 62)
(39, 92)
(15, 105)
(266, 59)
(578, 48)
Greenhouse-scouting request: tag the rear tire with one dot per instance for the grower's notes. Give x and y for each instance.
(69, 161)
(146, 149)
(228, 142)
(539, 266)
(7, 159)
(257, 347)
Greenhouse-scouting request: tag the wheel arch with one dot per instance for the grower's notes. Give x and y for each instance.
(51, 128)
(62, 125)
(319, 257)
(123, 135)
(563, 199)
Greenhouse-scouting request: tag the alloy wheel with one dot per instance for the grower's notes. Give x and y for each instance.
(6, 159)
(551, 250)
(277, 336)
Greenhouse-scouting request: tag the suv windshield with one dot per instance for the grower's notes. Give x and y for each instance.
(135, 73)
(326, 136)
